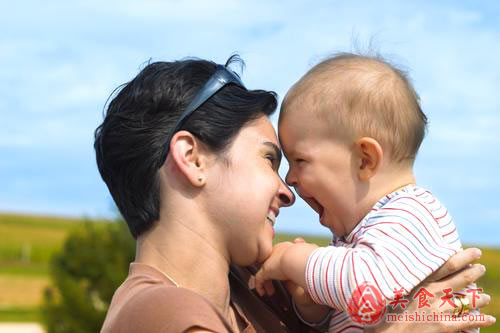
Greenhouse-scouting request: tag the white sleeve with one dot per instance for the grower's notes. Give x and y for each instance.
(397, 249)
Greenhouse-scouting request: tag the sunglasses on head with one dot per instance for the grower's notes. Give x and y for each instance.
(216, 82)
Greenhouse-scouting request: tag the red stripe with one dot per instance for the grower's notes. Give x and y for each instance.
(418, 202)
(326, 280)
(345, 319)
(313, 295)
(354, 270)
(382, 259)
(404, 210)
(338, 313)
(374, 279)
(454, 229)
(423, 193)
(445, 213)
(374, 224)
(308, 281)
(341, 275)
(402, 263)
(407, 249)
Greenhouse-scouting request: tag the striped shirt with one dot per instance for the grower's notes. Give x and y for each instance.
(406, 236)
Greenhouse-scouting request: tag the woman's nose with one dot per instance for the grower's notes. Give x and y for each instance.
(286, 196)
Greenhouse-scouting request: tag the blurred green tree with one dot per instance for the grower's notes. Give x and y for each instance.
(93, 262)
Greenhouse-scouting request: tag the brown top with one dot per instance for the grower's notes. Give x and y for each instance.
(149, 302)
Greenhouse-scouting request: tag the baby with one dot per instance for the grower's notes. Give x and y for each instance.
(350, 129)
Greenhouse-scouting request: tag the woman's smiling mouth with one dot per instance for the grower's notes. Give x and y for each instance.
(271, 218)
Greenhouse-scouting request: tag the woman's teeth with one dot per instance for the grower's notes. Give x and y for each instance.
(271, 218)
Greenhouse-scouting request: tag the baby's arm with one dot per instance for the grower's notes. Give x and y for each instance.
(287, 263)
(395, 251)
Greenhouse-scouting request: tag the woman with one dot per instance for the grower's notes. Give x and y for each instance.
(191, 160)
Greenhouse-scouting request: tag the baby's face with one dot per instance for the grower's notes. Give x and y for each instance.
(322, 169)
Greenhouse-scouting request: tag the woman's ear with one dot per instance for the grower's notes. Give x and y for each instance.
(370, 155)
(189, 157)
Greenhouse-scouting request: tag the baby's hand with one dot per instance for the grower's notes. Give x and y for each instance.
(271, 270)
(300, 296)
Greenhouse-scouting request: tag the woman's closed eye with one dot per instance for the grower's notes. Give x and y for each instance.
(271, 157)
(272, 153)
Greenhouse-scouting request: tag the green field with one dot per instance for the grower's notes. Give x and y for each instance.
(27, 243)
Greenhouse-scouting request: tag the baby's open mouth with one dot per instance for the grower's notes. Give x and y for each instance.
(318, 208)
(314, 205)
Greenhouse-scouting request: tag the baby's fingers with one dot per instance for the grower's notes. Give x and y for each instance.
(269, 287)
(299, 240)
(259, 283)
(262, 284)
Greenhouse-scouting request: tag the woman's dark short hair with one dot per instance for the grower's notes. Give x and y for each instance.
(130, 140)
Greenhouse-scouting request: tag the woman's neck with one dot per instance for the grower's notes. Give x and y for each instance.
(192, 258)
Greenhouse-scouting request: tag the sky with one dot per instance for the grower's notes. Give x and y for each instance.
(60, 60)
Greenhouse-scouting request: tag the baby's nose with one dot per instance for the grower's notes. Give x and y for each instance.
(286, 196)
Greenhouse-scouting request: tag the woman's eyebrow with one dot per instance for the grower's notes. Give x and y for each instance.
(276, 150)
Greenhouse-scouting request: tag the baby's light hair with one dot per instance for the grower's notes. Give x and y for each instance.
(363, 96)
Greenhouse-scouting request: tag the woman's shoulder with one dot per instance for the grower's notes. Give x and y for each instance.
(147, 305)
(168, 299)
(171, 299)
(148, 288)
(163, 308)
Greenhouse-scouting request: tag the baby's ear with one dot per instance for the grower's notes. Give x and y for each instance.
(370, 155)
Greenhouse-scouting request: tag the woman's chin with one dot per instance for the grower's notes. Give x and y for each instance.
(266, 254)
(252, 259)
(256, 255)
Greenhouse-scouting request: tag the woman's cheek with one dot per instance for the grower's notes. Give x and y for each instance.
(265, 252)
(265, 246)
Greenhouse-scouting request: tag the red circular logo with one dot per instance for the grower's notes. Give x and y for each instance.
(367, 306)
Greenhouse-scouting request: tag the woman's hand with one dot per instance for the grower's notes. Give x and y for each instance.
(456, 273)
